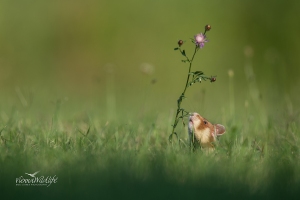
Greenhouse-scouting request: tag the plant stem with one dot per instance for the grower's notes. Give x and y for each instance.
(182, 95)
(188, 77)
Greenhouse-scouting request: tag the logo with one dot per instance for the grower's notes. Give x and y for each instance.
(34, 180)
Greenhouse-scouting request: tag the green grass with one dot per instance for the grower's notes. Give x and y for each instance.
(132, 158)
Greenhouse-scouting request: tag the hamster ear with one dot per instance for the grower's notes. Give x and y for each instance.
(220, 129)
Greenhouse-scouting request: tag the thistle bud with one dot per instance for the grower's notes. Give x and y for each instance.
(207, 27)
(213, 79)
(180, 42)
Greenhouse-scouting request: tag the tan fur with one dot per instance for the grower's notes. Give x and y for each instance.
(205, 133)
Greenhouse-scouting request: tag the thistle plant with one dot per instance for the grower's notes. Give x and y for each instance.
(199, 41)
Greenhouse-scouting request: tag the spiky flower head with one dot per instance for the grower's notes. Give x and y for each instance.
(207, 27)
(213, 79)
(200, 39)
(180, 42)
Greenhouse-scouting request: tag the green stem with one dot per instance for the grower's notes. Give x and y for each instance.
(183, 93)
(188, 78)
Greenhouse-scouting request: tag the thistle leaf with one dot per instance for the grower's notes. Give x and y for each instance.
(198, 73)
(183, 53)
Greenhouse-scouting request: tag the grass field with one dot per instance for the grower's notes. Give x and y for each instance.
(132, 158)
(88, 94)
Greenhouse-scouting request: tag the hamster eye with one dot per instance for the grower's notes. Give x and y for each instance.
(205, 122)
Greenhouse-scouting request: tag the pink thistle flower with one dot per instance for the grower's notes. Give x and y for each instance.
(200, 39)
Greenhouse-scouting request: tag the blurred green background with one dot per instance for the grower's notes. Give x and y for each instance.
(94, 52)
